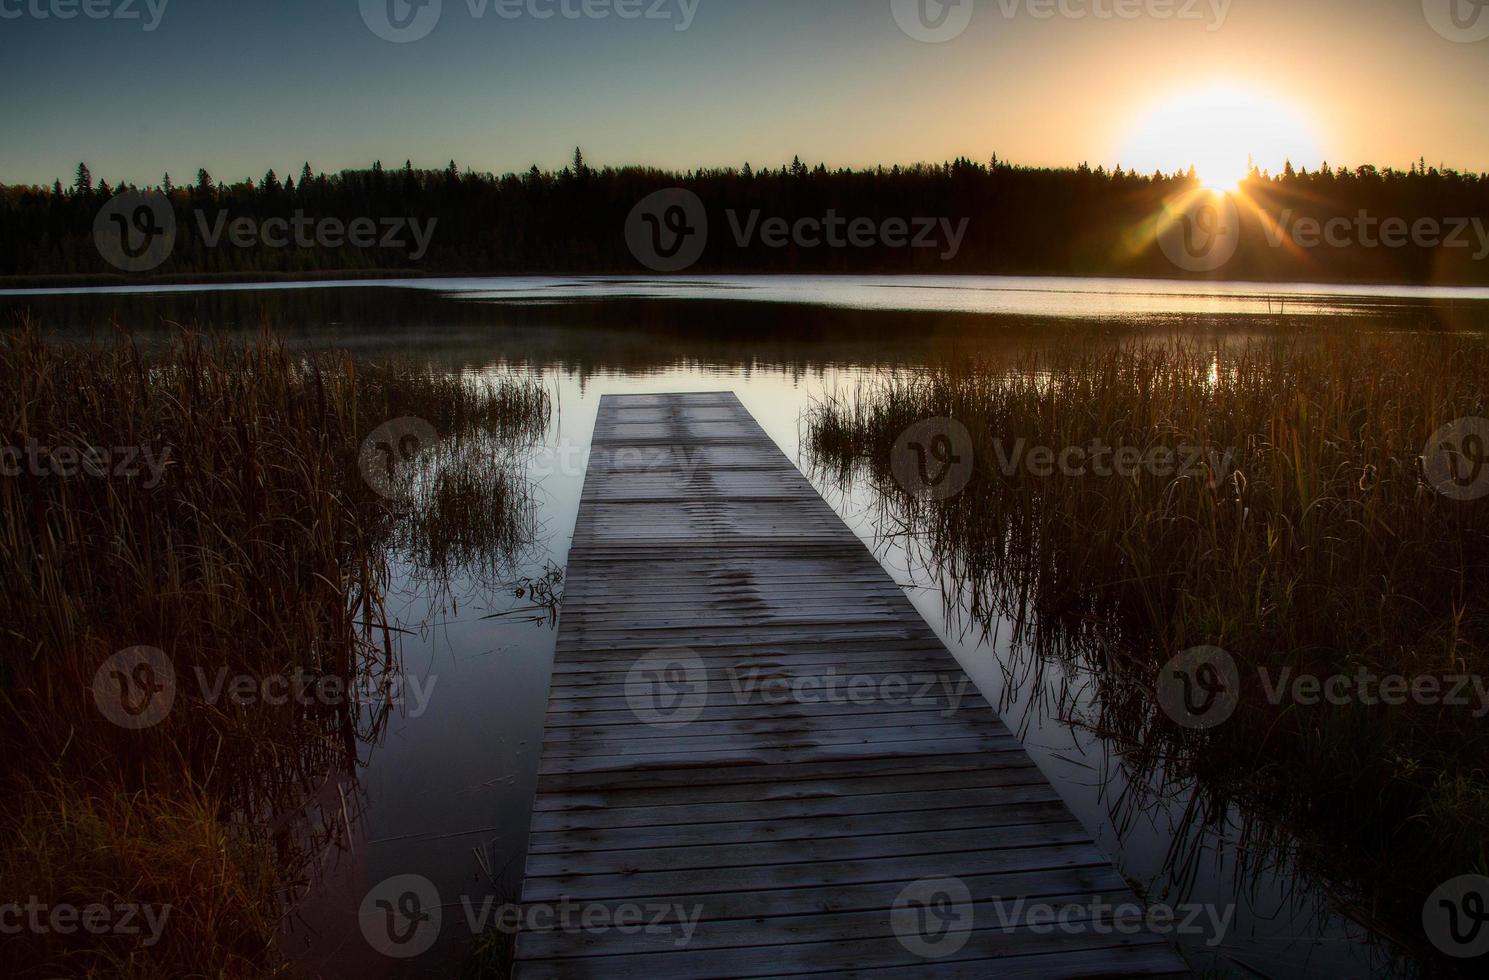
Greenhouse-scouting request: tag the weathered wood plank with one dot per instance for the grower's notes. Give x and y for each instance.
(1008, 770)
(709, 881)
(775, 810)
(1011, 927)
(606, 711)
(799, 959)
(787, 773)
(808, 851)
(913, 718)
(799, 827)
(750, 724)
(1040, 883)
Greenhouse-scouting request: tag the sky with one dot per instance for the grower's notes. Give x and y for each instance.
(143, 87)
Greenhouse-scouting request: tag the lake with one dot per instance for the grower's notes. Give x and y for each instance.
(446, 792)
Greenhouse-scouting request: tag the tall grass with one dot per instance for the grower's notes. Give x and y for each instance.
(261, 551)
(1322, 549)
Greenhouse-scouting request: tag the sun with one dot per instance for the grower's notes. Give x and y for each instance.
(1221, 130)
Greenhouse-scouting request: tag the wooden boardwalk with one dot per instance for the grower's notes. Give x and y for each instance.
(716, 794)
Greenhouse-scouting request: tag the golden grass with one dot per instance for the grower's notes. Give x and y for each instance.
(1323, 550)
(262, 551)
(171, 851)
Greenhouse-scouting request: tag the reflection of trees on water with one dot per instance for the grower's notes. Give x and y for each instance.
(631, 336)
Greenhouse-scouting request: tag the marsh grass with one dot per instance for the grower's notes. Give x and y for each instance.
(262, 551)
(1322, 550)
(462, 513)
(492, 953)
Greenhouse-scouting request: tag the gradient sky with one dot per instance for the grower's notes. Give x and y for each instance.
(239, 87)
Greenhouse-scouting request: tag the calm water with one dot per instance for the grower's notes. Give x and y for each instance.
(446, 794)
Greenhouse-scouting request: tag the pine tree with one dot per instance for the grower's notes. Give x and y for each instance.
(83, 184)
(166, 184)
(204, 184)
(306, 176)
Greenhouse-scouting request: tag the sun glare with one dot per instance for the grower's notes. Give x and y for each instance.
(1220, 130)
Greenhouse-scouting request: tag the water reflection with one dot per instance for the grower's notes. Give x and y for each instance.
(1067, 298)
(466, 523)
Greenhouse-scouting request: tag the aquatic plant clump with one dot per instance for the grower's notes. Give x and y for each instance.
(1311, 507)
(181, 530)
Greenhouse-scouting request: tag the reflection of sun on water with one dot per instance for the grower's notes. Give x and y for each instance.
(1220, 130)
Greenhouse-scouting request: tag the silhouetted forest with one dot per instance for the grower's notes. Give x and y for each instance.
(1019, 220)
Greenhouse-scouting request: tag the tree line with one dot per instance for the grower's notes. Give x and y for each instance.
(1018, 220)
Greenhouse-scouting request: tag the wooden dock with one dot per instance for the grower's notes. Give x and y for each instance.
(760, 761)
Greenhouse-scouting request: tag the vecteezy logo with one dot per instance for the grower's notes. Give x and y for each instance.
(933, 459)
(1456, 917)
(932, 917)
(1456, 460)
(1200, 232)
(135, 688)
(402, 21)
(1463, 21)
(668, 230)
(933, 21)
(401, 917)
(1200, 688)
(387, 456)
(667, 689)
(135, 231)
